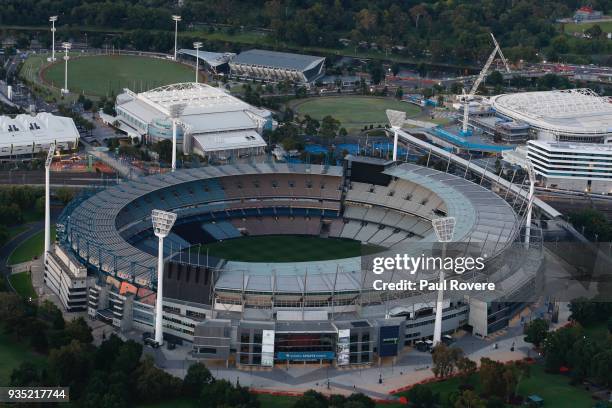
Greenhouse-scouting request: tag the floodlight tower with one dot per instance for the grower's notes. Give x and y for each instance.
(531, 174)
(48, 201)
(176, 21)
(66, 46)
(53, 19)
(197, 45)
(175, 113)
(396, 120)
(162, 224)
(445, 229)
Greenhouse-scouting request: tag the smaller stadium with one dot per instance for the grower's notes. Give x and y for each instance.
(227, 306)
(574, 115)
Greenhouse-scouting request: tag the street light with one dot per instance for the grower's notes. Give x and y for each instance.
(445, 229)
(176, 21)
(162, 224)
(53, 19)
(197, 45)
(175, 112)
(396, 120)
(48, 202)
(66, 46)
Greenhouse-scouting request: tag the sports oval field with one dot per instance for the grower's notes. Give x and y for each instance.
(104, 75)
(353, 112)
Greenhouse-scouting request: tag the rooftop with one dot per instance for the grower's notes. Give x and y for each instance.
(43, 128)
(214, 59)
(284, 60)
(572, 110)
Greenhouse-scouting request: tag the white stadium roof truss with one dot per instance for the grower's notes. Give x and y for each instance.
(193, 95)
(558, 104)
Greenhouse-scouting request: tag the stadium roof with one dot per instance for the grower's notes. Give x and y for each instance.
(274, 59)
(241, 139)
(576, 111)
(214, 59)
(41, 129)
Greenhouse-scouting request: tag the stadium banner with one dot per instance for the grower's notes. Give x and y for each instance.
(305, 355)
(267, 348)
(344, 346)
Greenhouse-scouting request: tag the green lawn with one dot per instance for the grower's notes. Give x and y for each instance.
(285, 248)
(22, 283)
(30, 248)
(353, 111)
(553, 388)
(606, 27)
(12, 354)
(105, 74)
(14, 231)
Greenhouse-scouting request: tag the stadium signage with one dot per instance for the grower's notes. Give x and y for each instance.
(305, 355)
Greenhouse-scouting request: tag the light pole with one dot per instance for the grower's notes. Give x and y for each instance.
(162, 224)
(66, 46)
(444, 228)
(48, 202)
(531, 174)
(53, 19)
(197, 45)
(396, 120)
(175, 113)
(176, 21)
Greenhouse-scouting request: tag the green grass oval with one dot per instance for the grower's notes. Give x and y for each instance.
(108, 74)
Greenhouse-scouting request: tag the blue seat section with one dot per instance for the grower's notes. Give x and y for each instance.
(221, 230)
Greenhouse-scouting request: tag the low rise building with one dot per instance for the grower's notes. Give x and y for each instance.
(273, 66)
(67, 278)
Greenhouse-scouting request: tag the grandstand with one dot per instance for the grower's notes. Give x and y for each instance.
(273, 66)
(382, 204)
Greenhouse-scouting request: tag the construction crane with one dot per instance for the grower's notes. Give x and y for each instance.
(466, 97)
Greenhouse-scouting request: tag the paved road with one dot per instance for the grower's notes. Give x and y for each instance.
(58, 178)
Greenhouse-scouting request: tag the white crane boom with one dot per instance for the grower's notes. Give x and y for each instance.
(478, 81)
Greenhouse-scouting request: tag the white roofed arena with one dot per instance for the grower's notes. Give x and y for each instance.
(211, 122)
(574, 115)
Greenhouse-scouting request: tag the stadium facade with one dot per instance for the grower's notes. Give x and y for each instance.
(211, 122)
(300, 311)
(273, 66)
(213, 62)
(26, 135)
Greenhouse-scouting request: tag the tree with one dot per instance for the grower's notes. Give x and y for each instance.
(154, 384)
(495, 78)
(466, 367)
(445, 359)
(469, 399)
(198, 377)
(558, 345)
(164, 149)
(421, 396)
(69, 366)
(491, 377)
(78, 329)
(64, 194)
(399, 92)
(329, 127)
(26, 375)
(594, 31)
(395, 68)
(536, 331)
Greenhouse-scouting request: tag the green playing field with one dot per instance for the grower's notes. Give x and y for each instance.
(108, 74)
(285, 248)
(353, 112)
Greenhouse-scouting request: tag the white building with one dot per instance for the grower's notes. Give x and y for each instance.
(67, 278)
(573, 166)
(574, 115)
(212, 123)
(26, 135)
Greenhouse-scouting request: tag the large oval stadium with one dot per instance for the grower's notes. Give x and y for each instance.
(224, 292)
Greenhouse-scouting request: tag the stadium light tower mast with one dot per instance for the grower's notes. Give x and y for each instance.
(48, 201)
(445, 229)
(66, 46)
(176, 21)
(53, 19)
(162, 224)
(175, 113)
(197, 45)
(531, 174)
(396, 120)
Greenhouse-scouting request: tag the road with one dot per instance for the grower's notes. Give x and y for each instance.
(58, 179)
